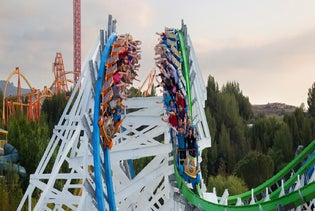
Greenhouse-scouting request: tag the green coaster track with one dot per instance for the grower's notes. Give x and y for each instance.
(293, 171)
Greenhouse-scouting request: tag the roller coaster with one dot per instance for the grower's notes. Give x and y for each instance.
(100, 152)
(32, 101)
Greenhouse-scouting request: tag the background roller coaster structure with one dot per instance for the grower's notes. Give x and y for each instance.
(31, 101)
(107, 181)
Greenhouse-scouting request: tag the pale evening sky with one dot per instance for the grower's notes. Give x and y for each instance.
(268, 46)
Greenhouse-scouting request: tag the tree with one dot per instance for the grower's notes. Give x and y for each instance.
(228, 115)
(264, 130)
(267, 142)
(10, 190)
(212, 93)
(1, 102)
(30, 138)
(209, 155)
(234, 184)
(312, 127)
(153, 91)
(254, 168)
(53, 108)
(311, 100)
(301, 127)
(244, 106)
(283, 143)
(307, 131)
(139, 164)
(4, 195)
(14, 189)
(133, 92)
(212, 124)
(224, 148)
(290, 120)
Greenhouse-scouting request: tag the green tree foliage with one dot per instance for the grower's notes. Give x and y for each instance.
(228, 115)
(152, 91)
(254, 168)
(228, 110)
(140, 163)
(234, 184)
(225, 151)
(235, 132)
(53, 108)
(212, 93)
(30, 138)
(4, 195)
(282, 147)
(308, 131)
(10, 191)
(14, 189)
(1, 102)
(209, 155)
(263, 131)
(291, 121)
(311, 100)
(301, 126)
(227, 128)
(211, 121)
(133, 92)
(244, 106)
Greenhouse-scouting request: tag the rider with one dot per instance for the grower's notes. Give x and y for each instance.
(191, 142)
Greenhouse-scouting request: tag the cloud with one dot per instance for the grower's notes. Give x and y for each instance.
(266, 71)
(239, 42)
(278, 53)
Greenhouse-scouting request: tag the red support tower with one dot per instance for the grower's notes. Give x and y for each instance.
(76, 39)
(60, 84)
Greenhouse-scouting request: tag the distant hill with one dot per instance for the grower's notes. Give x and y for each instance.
(271, 109)
(11, 89)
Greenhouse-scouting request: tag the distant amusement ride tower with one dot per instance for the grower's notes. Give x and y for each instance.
(76, 39)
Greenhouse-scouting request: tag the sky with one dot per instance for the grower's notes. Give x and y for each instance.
(267, 47)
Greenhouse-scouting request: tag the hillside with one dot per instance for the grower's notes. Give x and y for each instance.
(273, 109)
(11, 90)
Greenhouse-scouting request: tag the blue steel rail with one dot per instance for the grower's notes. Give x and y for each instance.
(96, 138)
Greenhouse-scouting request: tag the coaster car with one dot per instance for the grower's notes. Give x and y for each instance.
(190, 165)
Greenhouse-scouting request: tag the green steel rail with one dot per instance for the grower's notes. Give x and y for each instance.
(294, 198)
(287, 169)
(185, 69)
(306, 166)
